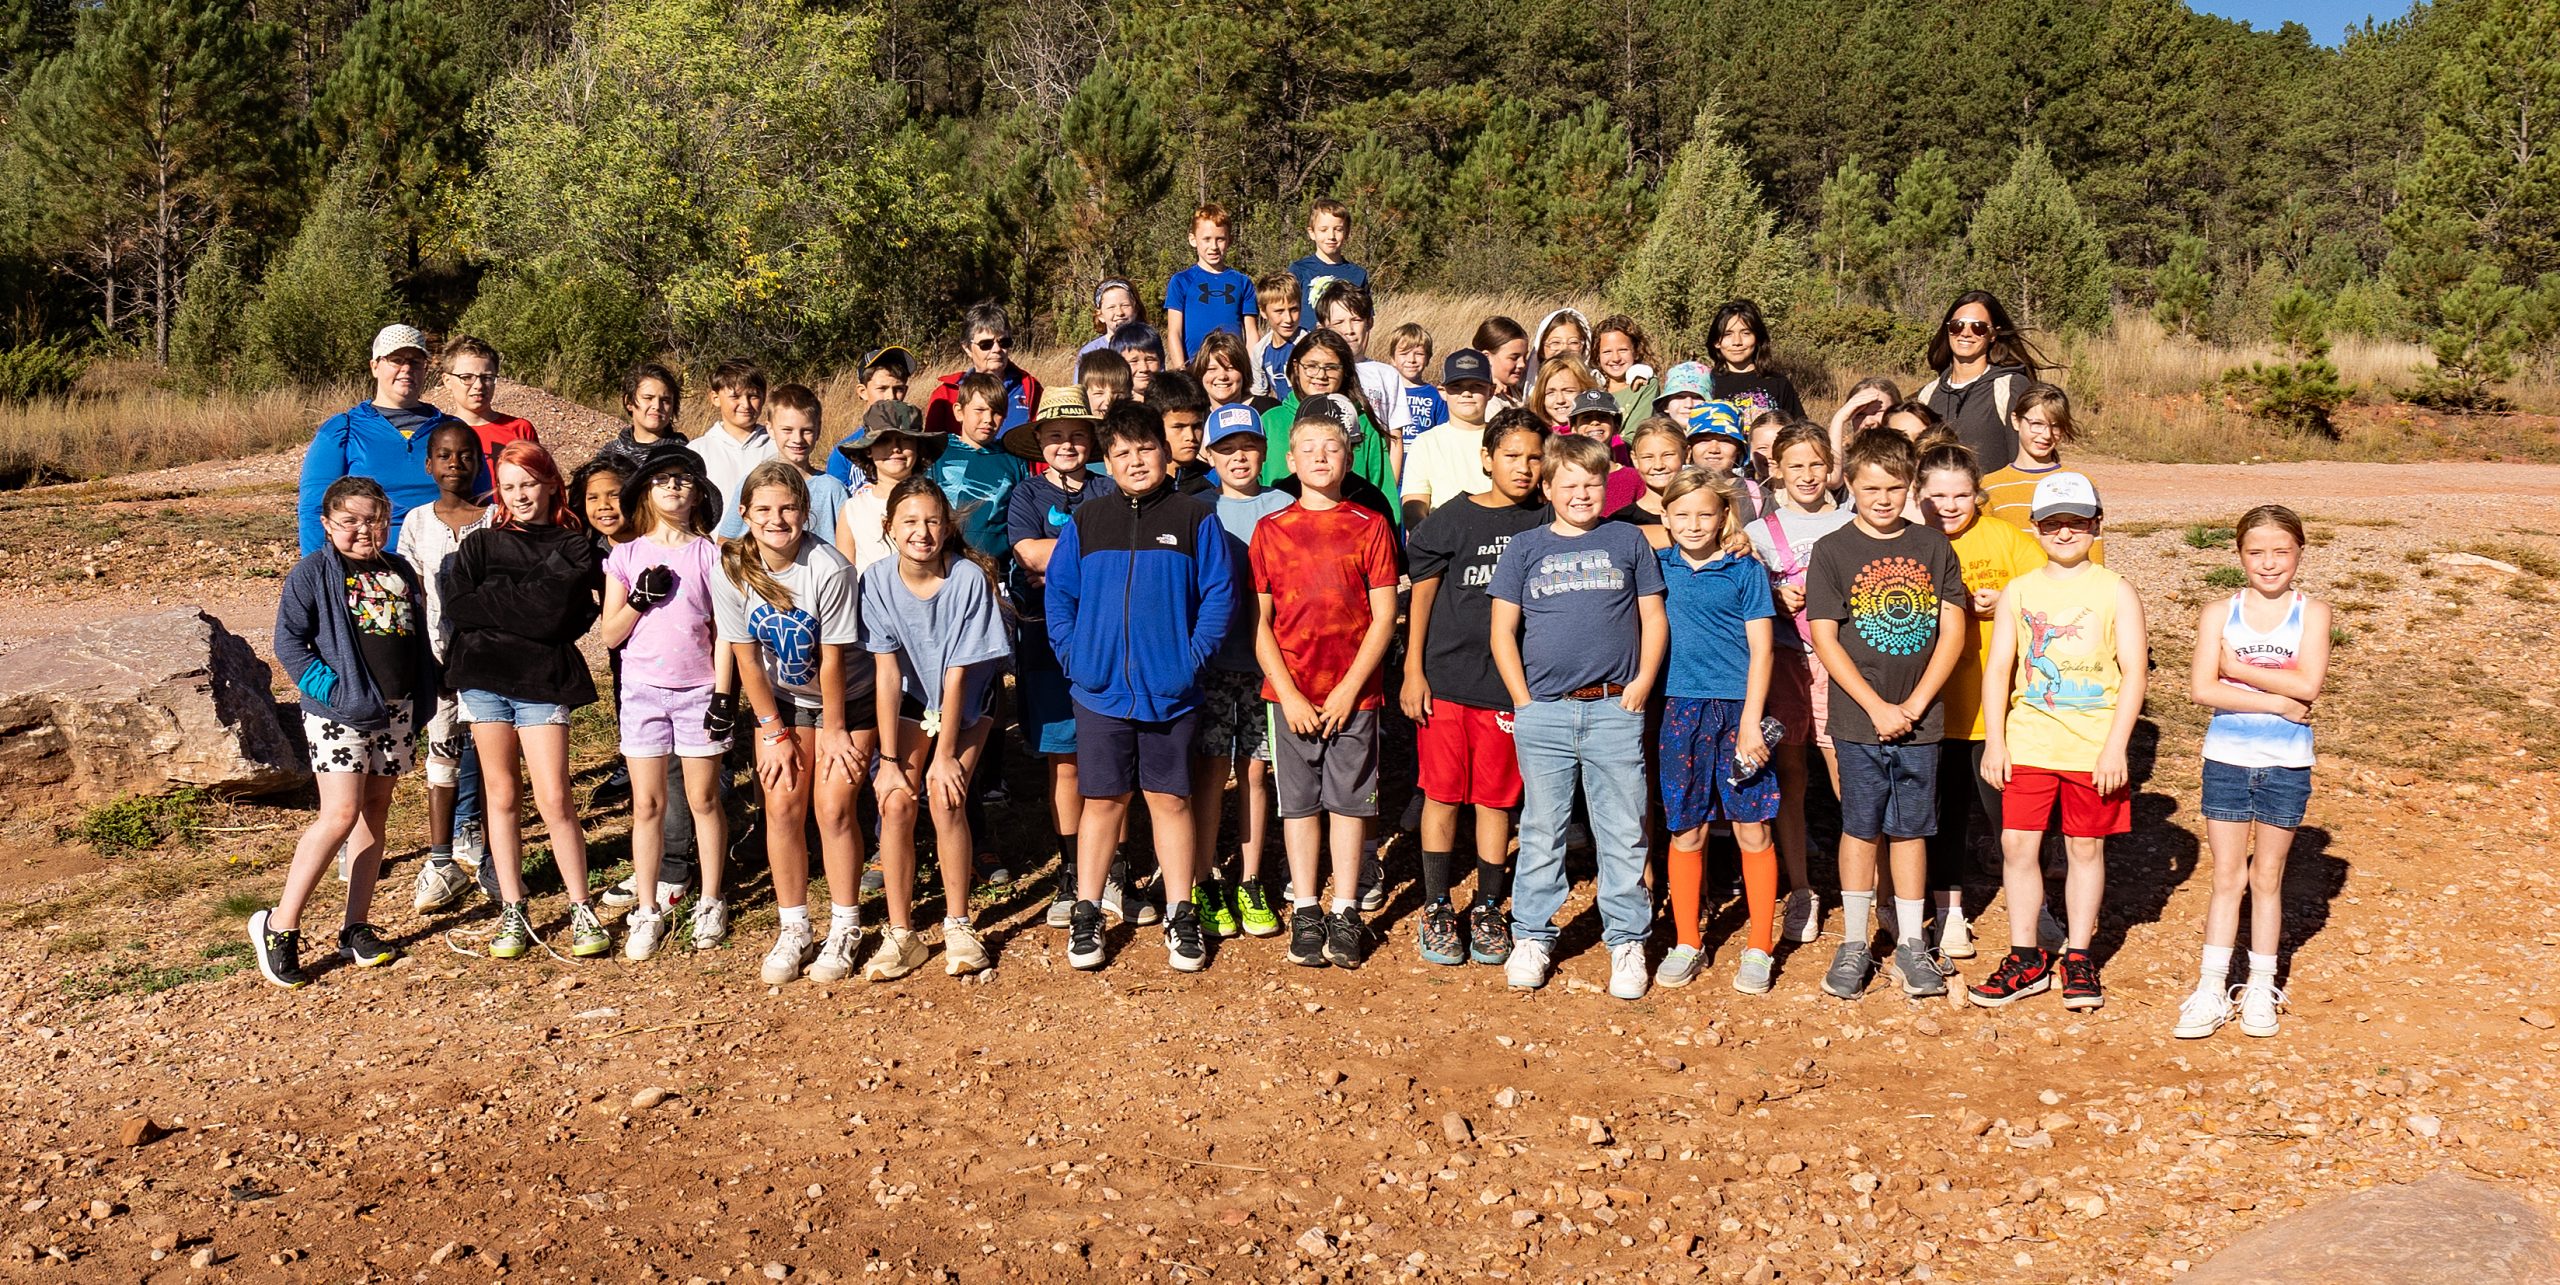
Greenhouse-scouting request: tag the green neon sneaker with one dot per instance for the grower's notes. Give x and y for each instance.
(587, 937)
(515, 933)
(1253, 909)
(1217, 909)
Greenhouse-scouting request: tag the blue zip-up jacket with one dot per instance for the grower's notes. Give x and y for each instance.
(312, 624)
(1140, 592)
(360, 442)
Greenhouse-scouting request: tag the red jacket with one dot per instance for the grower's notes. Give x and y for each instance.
(1022, 396)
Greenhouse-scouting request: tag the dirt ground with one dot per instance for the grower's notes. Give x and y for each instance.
(457, 1118)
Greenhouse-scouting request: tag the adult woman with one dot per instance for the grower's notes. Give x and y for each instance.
(384, 438)
(1983, 363)
(989, 351)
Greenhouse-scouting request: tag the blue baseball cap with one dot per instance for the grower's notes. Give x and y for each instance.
(1718, 419)
(1232, 420)
(1691, 378)
(1465, 366)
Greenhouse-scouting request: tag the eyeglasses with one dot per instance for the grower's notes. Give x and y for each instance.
(1968, 326)
(352, 525)
(460, 378)
(2064, 522)
(1319, 368)
(992, 343)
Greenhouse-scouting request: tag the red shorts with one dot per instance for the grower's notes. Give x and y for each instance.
(2086, 814)
(1467, 756)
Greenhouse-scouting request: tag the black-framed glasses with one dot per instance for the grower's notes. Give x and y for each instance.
(460, 378)
(992, 343)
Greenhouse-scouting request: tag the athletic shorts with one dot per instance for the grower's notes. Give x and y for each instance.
(861, 712)
(658, 721)
(1467, 757)
(1047, 713)
(1119, 756)
(1694, 753)
(389, 751)
(1888, 791)
(1336, 774)
(2276, 796)
(1235, 721)
(2028, 802)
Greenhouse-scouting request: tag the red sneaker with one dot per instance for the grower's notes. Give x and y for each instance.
(2020, 974)
(2080, 981)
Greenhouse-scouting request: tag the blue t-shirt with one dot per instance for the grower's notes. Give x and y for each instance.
(1240, 517)
(1313, 274)
(1577, 598)
(1710, 656)
(959, 626)
(1274, 361)
(827, 498)
(1209, 302)
(1425, 409)
(980, 480)
(1038, 510)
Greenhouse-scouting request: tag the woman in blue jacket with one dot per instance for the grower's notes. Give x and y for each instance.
(384, 439)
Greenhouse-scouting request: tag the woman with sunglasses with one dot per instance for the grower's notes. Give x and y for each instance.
(1983, 363)
(989, 350)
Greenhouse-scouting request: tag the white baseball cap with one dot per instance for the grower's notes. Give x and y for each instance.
(396, 336)
(2065, 494)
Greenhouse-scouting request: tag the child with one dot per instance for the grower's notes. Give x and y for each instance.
(799, 423)
(1562, 333)
(1115, 304)
(1799, 689)
(1447, 462)
(885, 373)
(1140, 590)
(651, 398)
(1460, 709)
(428, 541)
(1282, 306)
(657, 610)
(1324, 577)
(1862, 409)
(2061, 691)
(522, 592)
(2260, 661)
(1185, 409)
(1103, 377)
(737, 441)
(787, 605)
(1991, 553)
(973, 470)
(890, 447)
(1594, 414)
(1718, 443)
(1143, 349)
(2043, 420)
(1555, 394)
(1234, 720)
(1409, 351)
(1208, 296)
(1319, 372)
(471, 379)
(1656, 449)
(1061, 436)
(937, 634)
(1223, 368)
(595, 491)
(1346, 310)
(1888, 607)
(1506, 349)
(1741, 362)
(1684, 390)
(1624, 357)
(1578, 636)
(351, 628)
(1713, 759)
(1328, 228)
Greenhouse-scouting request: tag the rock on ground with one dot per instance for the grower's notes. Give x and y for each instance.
(2444, 1228)
(140, 705)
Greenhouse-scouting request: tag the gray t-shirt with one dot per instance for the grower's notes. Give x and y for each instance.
(824, 611)
(1784, 539)
(1577, 598)
(960, 626)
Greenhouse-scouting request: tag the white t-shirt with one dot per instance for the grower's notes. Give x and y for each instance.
(826, 611)
(1384, 388)
(428, 546)
(727, 461)
(866, 515)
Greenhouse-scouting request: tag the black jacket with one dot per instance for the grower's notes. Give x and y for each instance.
(1979, 412)
(519, 600)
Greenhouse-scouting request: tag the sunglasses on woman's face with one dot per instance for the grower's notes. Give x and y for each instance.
(991, 343)
(1968, 326)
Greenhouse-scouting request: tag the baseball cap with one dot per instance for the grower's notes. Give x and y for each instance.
(1592, 401)
(1057, 406)
(894, 356)
(1233, 420)
(1465, 366)
(396, 336)
(1688, 377)
(1718, 419)
(2065, 494)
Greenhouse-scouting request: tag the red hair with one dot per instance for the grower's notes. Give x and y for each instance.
(532, 458)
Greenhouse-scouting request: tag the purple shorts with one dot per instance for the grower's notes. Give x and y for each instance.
(657, 721)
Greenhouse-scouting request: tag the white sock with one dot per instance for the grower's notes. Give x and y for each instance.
(956, 921)
(1913, 914)
(1856, 909)
(843, 919)
(795, 915)
(1341, 904)
(1951, 911)
(2217, 968)
(2262, 968)
(1300, 901)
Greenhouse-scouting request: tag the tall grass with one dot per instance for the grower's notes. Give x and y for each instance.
(131, 429)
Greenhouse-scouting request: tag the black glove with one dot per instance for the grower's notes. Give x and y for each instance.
(722, 716)
(652, 586)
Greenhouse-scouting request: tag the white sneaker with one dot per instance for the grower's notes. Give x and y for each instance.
(2204, 1012)
(645, 932)
(1800, 917)
(440, 885)
(710, 923)
(1955, 937)
(1114, 901)
(1527, 968)
(835, 959)
(2259, 1003)
(1680, 967)
(1627, 978)
(618, 894)
(790, 954)
(470, 846)
(963, 951)
(901, 952)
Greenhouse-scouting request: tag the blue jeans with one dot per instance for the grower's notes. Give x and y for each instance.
(1602, 746)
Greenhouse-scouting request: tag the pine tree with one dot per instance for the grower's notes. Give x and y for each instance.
(2183, 287)
(1397, 196)
(1494, 188)
(1712, 240)
(397, 100)
(1111, 169)
(1591, 200)
(2033, 245)
(2304, 389)
(204, 337)
(1924, 235)
(324, 297)
(1851, 241)
(2488, 178)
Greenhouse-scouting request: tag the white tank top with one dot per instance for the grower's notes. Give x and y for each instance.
(2260, 740)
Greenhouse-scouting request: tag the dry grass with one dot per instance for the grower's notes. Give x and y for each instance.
(129, 429)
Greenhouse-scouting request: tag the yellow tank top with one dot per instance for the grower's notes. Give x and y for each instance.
(2063, 696)
(1993, 553)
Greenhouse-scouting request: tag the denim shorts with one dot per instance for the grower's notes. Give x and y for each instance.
(490, 707)
(2276, 796)
(1888, 791)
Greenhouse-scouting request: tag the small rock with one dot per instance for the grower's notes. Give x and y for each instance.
(1785, 1162)
(1456, 1130)
(1234, 1217)
(139, 1131)
(776, 1271)
(653, 1096)
(1506, 1097)
(2036, 1141)
(1927, 1025)
(1670, 1063)
(2537, 1019)
(1599, 1135)
(450, 1250)
(165, 1241)
(2049, 1098)
(1329, 1077)
(100, 1211)
(1724, 1104)
(1314, 1242)
(2087, 1204)
(2425, 1126)
(1523, 1217)
(1974, 1123)
(203, 1258)
(1864, 1183)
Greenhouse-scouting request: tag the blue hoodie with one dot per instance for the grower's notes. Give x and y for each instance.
(312, 625)
(1140, 592)
(360, 442)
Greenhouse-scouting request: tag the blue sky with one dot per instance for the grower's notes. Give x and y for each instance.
(2326, 19)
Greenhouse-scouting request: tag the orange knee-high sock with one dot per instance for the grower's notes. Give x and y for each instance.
(1760, 889)
(1688, 881)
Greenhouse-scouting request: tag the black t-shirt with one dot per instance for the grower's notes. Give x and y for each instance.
(1460, 543)
(1635, 514)
(1978, 413)
(385, 622)
(1885, 594)
(1758, 388)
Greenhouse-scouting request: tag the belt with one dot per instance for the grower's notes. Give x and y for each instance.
(1596, 692)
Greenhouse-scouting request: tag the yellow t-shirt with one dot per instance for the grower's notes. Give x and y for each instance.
(2063, 696)
(1993, 553)
(1445, 463)
(2009, 494)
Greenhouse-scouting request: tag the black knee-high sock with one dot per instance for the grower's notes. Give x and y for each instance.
(1493, 883)
(1439, 870)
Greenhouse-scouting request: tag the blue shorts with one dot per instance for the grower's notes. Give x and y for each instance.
(490, 707)
(1116, 756)
(1041, 703)
(1888, 791)
(1694, 753)
(2276, 796)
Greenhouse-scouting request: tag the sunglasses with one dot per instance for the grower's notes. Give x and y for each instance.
(1967, 326)
(991, 344)
(672, 482)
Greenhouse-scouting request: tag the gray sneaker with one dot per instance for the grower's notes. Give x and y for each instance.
(1851, 968)
(1922, 975)
(1752, 978)
(441, 885)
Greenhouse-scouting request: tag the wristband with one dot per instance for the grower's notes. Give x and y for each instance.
(767, 720)
(778, 737)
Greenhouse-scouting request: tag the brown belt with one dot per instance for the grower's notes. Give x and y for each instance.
(1597, 692)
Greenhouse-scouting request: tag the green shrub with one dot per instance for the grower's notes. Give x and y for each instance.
(204, 336)
(46, 369)
(2205, 535)
(2305, 390)
(138, 822)
(315, 314)
(2225, 578)
(576, 336)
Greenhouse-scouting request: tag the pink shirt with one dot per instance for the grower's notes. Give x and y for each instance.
(671, 646)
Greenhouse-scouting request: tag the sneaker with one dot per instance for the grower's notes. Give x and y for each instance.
(1437, 934)
(470, 846)
(1627, 979)
(1062, 908)
(441, 885)
(873, 881)
(1753, 977)
(791, 952)
(515, 933)
(1488, 934)
(484, 876)
(587, 937)
(1800, 916)
(963, 950)
(2259, 1003)
(1955, 938)
(642, 932)
(1184, 948)
(993, 870)
(1146, 907)
(1084, 935)
(619, 894)
(1373, 882)
(365, 947)
(1306, 937)
(1346, 939)
(1526, 970)
(2049, 931)
(279, 953)
(710, 923)
(2204, 1011)
(1679, 967)
(1217, 909)
(614, 788)
(1253, 909)
(2017, 977)
(1115, 901)
(1922, 976)
(1851, 969)
(835, 958)
(901, 952)
(2080, 981)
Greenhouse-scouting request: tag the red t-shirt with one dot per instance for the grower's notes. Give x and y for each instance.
(1319, 565)
(499, 432)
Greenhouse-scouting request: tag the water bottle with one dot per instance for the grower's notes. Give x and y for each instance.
(1771, 732)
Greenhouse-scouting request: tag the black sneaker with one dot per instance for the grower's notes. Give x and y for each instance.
(1084, 935)
(1346, 939)
(2080, 981)
(365, 947)
(279, 953)
(615, 787)
(1307, 937)
(1183, 947)
(2020, 974)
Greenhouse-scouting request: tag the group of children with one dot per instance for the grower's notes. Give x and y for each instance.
(1625, 605)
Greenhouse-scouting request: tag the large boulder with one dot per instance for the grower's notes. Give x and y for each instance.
(2441, 1229)
(141, 705)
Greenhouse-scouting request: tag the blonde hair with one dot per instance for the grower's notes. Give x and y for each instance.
(1728, 493)
(1657, 426)
(740, 560)
(1560, 364)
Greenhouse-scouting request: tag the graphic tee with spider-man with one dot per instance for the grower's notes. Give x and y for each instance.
(820, 607)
